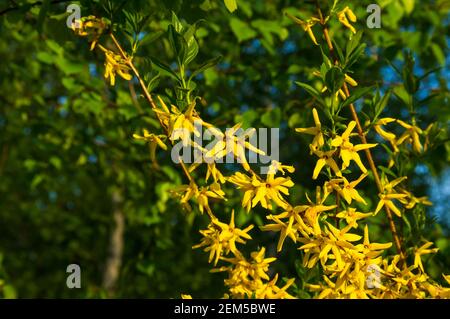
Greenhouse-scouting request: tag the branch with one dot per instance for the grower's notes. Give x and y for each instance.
(114, 262)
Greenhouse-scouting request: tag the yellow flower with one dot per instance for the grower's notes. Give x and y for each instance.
(114, 63)
(261, 191)
(348, 151)
(312, 211)
(411, 135)
(423, 250)
(346, 15)
(369, 249)
(271, 291)
(276, 166)
(348, 191)
(211, 171)
(246, 279)
(186, 296)
(91, 27)
(306, 25)
(331, 246)
(351, 216)
(315, 130)
(389, 194)
(181, 125)
(201, 195)
(410, 200)
(221, 238)
(325, 158)
(350, 80)
(231, 143)
(154, 140)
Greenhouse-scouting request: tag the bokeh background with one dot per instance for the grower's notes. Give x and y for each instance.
(75, 186)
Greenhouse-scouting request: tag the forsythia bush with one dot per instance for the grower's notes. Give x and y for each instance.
(329, 230)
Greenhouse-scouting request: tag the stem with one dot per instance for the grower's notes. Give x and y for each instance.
(372, 165)
(148, 97)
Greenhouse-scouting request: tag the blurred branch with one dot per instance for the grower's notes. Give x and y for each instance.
(114, 262)
(4, 157)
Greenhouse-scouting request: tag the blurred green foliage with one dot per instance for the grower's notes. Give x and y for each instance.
(66, 142)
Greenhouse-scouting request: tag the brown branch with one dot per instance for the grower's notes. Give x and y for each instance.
(368, 153)
(114, 261)
(148, 97)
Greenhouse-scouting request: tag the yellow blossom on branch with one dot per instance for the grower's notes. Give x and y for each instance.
(220, 238)
(348, 151)
(115, 64)
(348, 191)
(389, 194)
(257, 190)
(411, 136)
(351, 216)
(345, 15)
(306, 26)
(423, 250)
(315, 130)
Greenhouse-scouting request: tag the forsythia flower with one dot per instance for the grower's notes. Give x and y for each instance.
(346, 15)
(325, 158)
(91, 27)
(389, 194)
(221, 238)
(154, 140)
(261, 191)
(423, 250)
(348, 151)
(236, 145)
(316, 130)
(306, 25)
(384, 134)
(211, 171)
(181, 125)
(410, 200)
(411, 135)
(312, 211)
(351, 216)
(348, 191)
(114, 63)
(202, 195)
(248, 279)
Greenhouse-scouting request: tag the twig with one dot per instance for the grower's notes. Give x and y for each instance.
(368, 153)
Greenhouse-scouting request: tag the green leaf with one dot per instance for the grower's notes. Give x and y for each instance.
(176, 23)
(178, 43)
(334, 79)
(164, 68)
(153, 83)
(382, 103)
(354, 56)
(356, 95)
(438, 54)
(353, 43)
(208, 64)
(242, 30)
(192, 51)
(312, 91)
(231, 5)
